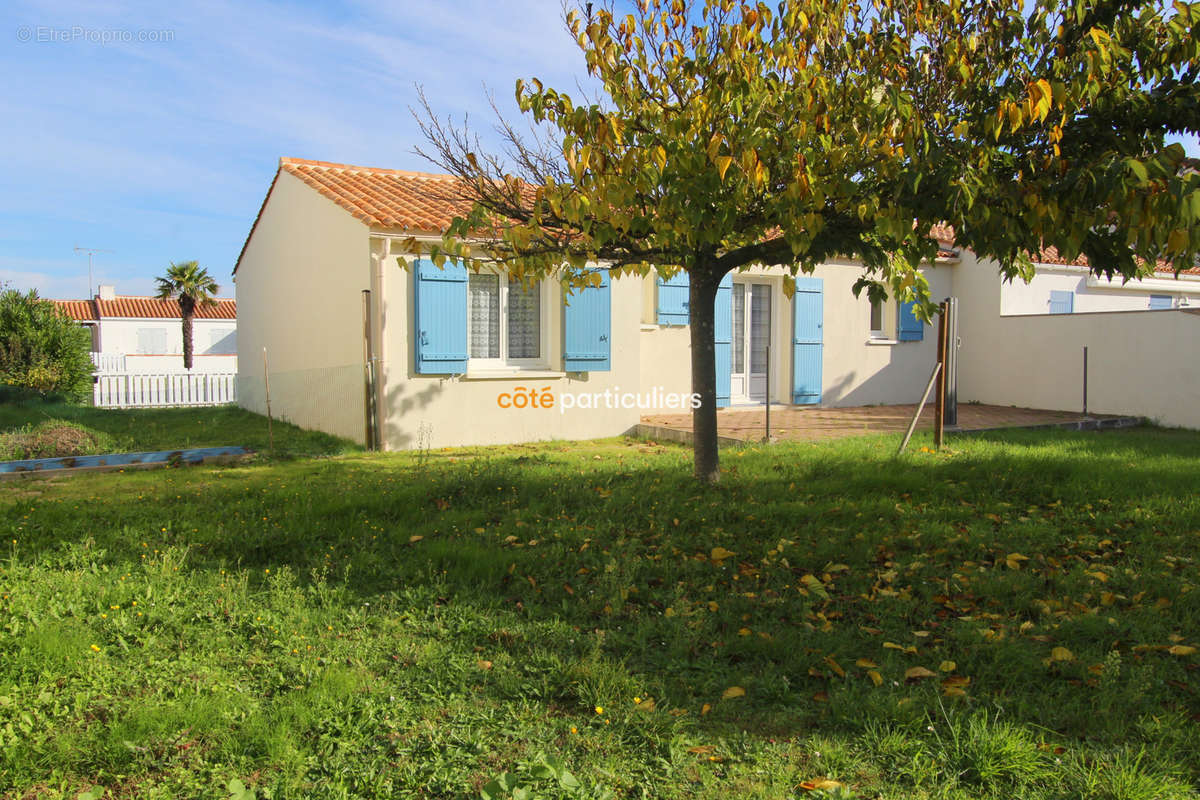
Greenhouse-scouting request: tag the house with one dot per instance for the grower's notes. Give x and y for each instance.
(458, 358)
(419, 357)
(1062, 287)
(132, 334)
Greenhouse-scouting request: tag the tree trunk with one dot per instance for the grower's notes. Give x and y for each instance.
(188, 314)
(702, 297)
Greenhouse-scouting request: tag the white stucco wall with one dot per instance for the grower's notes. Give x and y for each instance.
(1092, 294)
(215, 343)
(433, 411)
(299, 288)
(1139, 362)
(856, 369)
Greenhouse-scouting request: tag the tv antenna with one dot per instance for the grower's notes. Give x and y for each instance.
(90, 251)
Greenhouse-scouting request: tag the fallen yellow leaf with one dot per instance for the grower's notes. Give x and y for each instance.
(704, 709)
(916, 673)
(865, 663)
(732, 692)
(823, 783)
(484, 664)
(1061, 654)
(1013, 560)
(1181, 650)
(947, 666)
(719, 554)
(835, 666)
(875, 677)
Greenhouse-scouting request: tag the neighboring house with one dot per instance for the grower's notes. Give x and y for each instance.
(145, 334)
(449, 344)
(1060, 287)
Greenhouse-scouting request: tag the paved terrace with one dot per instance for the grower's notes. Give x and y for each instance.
(809, 423)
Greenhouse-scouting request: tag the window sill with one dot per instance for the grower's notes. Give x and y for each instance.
(882, 342)
(512, 374)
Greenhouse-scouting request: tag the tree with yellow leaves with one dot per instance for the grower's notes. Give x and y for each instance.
(729, 135)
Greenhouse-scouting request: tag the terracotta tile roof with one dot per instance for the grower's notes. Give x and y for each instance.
(412, 202)
(417, 202)
(384, 198)
(78, 310)
(131, 307)
(1051, 256)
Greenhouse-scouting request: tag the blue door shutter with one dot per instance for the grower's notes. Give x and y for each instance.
(911, 328)
(673, 299)
(1159, 302)
(807, 340)
(1062, 302)
(587, 327)
(723, 339)
(441, 329)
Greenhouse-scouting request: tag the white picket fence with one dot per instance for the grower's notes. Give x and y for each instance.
(132, 390)
(109, 362)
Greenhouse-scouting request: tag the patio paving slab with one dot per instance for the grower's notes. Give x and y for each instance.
(810, 423)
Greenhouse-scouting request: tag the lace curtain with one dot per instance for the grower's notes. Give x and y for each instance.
(483, 307)
(524, 320)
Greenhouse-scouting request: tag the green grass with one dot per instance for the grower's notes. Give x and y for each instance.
(149, 429)
(447, 624)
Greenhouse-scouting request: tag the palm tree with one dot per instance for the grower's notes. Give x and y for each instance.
(193, 286)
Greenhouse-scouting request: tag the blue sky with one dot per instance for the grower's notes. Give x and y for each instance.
(162, 150)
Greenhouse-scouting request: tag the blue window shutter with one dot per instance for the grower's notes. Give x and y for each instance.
(723, 339)
(911, 328)
(1062, 302)
(673, 299)
(587, 328)
(807, 340)
(1159, 302)
(441, 329)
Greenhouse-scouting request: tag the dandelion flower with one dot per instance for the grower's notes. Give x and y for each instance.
(599, 709)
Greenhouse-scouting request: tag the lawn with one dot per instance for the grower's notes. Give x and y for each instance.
(149, 429)
(1016, 617)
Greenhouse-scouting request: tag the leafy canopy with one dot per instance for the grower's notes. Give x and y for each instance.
(190, 282)
(730, 134)
(42, 349)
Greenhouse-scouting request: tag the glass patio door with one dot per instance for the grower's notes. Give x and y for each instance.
(751, 332)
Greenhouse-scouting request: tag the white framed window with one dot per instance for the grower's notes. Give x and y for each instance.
(222, 342)
(152, 341)
(877, 320)
(505, 324)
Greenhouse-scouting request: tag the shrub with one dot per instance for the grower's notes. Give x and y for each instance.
(42, 350)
